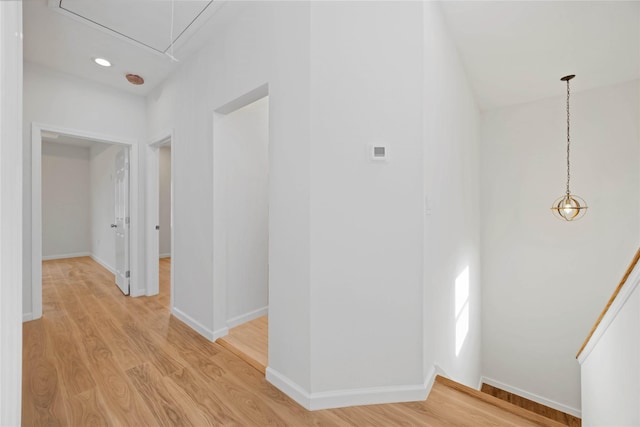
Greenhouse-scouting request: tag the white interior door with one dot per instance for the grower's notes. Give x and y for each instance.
(121, 224)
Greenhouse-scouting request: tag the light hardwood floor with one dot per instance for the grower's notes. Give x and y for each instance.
(98, 358)
(250, 342)
(164, 297)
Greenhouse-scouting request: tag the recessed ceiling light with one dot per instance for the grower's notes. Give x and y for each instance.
(102, 61)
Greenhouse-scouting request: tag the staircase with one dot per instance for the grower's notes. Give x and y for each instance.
(610, 357)
(452, 403)
(449, 403)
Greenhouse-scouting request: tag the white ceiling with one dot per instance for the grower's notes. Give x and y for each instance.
(153, 24)
(133, 34)
(514, 51)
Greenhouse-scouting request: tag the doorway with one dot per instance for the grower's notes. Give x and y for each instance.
(164, 221)
(100, 240)
(241, 139)
(160, 236)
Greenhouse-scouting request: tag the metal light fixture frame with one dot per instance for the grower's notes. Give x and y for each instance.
(569, 207)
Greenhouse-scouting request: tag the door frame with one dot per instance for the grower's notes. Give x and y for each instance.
(152, 237)
(219, 198)
(11, 210)
(137, 286)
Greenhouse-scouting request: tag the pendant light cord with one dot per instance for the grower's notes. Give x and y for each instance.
(568, 140)
(569, 207)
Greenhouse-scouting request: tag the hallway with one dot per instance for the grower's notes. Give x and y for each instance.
(99, 358)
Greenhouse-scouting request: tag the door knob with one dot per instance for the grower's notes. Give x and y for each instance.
(114, 225)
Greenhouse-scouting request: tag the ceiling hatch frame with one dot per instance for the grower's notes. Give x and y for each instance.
(179, 38)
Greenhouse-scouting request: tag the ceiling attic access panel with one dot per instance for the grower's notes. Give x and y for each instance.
(146, 23)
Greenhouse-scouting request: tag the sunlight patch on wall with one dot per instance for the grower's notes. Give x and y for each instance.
(462, 308)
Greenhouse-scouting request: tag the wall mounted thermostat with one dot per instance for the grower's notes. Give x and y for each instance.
(379, 152)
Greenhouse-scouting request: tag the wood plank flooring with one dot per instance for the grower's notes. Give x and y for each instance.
(250, 342)
(164, 297)
(98, 358)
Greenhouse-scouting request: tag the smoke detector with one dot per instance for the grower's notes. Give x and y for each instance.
(134, 79)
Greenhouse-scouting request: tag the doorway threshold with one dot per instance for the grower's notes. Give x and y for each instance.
(249, 342)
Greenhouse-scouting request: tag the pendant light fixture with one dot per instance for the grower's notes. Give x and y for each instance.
(569, 207)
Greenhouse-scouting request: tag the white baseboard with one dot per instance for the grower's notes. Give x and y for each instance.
(288, 387)
(222, 332)
(440, 371)
(193, 324)
(430, 380)
(349, 397)
(103, 263)
(27, 317)
(539, 399)
(137, 292)
(437, 370)
(480, 382)
(431, 377)
(167, 255)
(65, 256)
(239, 320)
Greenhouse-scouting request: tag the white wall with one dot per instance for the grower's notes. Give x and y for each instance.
(251, 44)
(60, 100)
(245, 136)
(346, 236)
(452, 197)
(10, 212)
(78, 201)
(66, 220)
(103, 237)
(164, 197)
(545, 280)
(366, 216)
(611, 372)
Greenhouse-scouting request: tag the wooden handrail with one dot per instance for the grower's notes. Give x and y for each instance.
(613, 297)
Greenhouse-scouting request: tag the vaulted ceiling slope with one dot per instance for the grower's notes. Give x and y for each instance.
(516, 51)
(513, 51)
